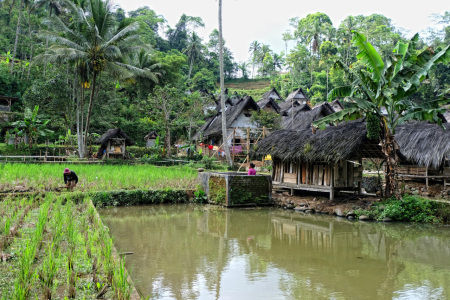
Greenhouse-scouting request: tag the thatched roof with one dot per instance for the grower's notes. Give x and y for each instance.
(304, 117)
(112, 134)
(151, 135)
(345, 141)
(287, 105)
(214, 127)
(337, 105)
(268, 93)
(423, 143)
(263, 103)
(297, 95)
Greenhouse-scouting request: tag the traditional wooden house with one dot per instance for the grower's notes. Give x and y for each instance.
(298, 95)
(150, 139)
(304, 116)
(238, 120)
(328, 161)
(424, 151)
(269, 100)
(5, 107)
(113, 144)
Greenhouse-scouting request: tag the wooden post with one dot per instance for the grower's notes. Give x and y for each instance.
(248, 145)
(426, 177)
(332, 183)
(234, 142)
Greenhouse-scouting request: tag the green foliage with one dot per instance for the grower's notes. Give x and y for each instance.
(373, 127)
(200, 196)
(139, 197)
(269, 119)
(208, 162)
(408, 209)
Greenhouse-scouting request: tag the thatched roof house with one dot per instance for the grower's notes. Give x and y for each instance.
(269, 101)
(150, 138)
(238, 115)
(326, 161)
(113, 143)
(298, 95)
(304, 116)
(424, 144)
(286, 107)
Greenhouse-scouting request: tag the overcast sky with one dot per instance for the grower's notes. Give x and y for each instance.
(265, 21)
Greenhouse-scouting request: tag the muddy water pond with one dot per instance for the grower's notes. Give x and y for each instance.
(205, 252)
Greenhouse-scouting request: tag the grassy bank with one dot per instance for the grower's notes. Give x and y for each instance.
(35, 177)
(54, 248)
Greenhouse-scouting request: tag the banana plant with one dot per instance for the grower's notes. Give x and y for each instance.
(32, 125)
(383, 90)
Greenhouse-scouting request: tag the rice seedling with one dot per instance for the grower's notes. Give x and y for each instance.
(49, 269)
(122, 286)
(98, 177)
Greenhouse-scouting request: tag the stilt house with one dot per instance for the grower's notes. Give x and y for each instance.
(328, 161)
(113, 144)
(424, 151)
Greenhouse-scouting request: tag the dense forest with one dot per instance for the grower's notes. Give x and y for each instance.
(90, 63)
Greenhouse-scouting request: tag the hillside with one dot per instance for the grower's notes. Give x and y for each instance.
(251, 87)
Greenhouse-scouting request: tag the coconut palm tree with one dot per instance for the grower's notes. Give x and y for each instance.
(381, 93)
(255, 47)
(193, 50)
(22, 4)
(143, 61)
(95, 44)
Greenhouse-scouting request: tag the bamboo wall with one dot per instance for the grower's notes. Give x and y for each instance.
(317, 173)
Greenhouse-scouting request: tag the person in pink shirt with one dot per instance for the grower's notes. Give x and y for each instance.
(251, 169)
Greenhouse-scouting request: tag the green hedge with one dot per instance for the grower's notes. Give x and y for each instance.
(139, 197)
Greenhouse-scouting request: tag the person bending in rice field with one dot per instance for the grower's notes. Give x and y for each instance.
(70, 179)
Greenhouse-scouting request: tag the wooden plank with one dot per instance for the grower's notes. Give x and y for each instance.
(320, 175)
(316, 175)
(290, 178)
(350, 173)
(344, 181)
(303, 173)
(298, 170)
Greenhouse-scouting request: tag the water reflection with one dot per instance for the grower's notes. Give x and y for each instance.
(203, 252)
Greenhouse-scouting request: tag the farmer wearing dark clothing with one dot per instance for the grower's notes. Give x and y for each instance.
(70, 179)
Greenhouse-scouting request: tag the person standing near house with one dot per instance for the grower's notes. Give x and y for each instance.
(251, 169)
(70, 179)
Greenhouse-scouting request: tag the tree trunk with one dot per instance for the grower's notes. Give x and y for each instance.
(222, 91)
(190, 69)
(167, 139)
(326, 96)
(88, 117)
(31, 47)
(10, 11)
(17, 37)
(389, 148)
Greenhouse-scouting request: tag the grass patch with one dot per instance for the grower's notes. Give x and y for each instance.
(49, 177)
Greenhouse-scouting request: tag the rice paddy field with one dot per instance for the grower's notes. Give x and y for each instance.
(49, 177)
(53, 248)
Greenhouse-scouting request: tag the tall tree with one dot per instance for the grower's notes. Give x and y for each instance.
(387, 86)
(255, 48)
(94, 44)
(193, 50)
(222, 91)
(22, 3)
